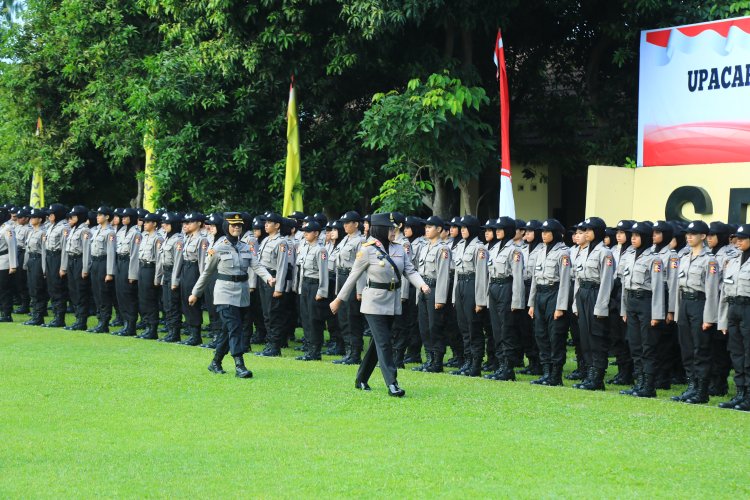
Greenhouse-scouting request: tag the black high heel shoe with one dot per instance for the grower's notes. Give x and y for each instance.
(395, 391)
(362, 386)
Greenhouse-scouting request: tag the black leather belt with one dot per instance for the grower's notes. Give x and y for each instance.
(147, 265)
(97, 258)
(344, 271)
(684, 295)
(547, 288)
(74, 255)
(394, 285)
(310, 281)
(527, 283)
(639, 294)
(272, 272)
(190, 262)
(4, 252)
(231, 277)
(51, 252)
(466, 276)
(430, 281)
(588, 284)
(739, 300)
(121, 256)
(502, 281)
(34, 255)
(168, 269)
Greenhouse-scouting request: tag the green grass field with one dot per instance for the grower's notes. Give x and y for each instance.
(87, 415)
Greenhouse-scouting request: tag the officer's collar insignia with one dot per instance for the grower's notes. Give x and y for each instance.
(691, 225)
(587, 221)
(635, 225)
(741, 229)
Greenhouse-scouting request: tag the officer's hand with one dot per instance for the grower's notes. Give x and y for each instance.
(252, 290)
(84, 275)
(318, 298)
(108, 277)
(724, 332)
(624, 318)
(271, 281)
(558, 314)
(276, 295)
(174, 287)
(478, 309)
(359, 297)
(655, 322)
(132, 281)
(192, 300)
(707, 326)
(62, 273)
(670, 317)
(334, 305)
(426, 289)
(439, 306)
(11, 270)
(531, 312)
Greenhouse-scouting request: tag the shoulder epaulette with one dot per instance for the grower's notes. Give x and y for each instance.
(368, 243)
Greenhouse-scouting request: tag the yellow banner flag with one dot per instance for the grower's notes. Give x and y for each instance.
(149, 183)
(293, 179)
(36, 199)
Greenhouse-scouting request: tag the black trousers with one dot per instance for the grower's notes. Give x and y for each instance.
(290, 304)
(469, 321)
(20, 283)
(350, 321)
(148, 295)
(618, 335)
(575, 331)
(380, 350)
(230, 338)
(405, 324)
(214, 322)
(507, 340)
(738, 318)
(332, 320)
(668, 355)
(79, 289)
(452, 333)
(102, 291)
(273, 315)
(312, 314)
(6, 293)
(721, 361)
(127, 293)
(256, 315)
(57, 287)
(551, 334)
(526, 327)
(170, 300)
(37, 285)
(643, 339)
(695, 343)
(188, 277)
(594, 339)
(431, 323)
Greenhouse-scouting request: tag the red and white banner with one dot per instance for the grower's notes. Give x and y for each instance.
(694, 94)
(507, 206)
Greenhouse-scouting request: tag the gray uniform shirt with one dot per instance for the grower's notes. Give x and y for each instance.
(166, 257)
(100, 242)
(314, 264)
(597, 265)
(54, 238)
(735, 283)
(251, 241)
(553, 268)
(434, 262)
(73, 245)
(227, 259)
(8, 250)
(506, 261)
(529, 261)
(193, 249)
(22, 234)
(701, 274)
(671, 263)
(128, 240)
(471, 257)
(149, 248)
(645, 272)
(274, 256)
(34, 244)
(345, 255)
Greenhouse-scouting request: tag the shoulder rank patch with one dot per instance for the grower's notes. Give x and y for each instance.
(516, 257)
(323, 255)
(481, 254)
(445, 253)
(367, 244)
(138, 240)
(282, 247)
(211, 252)
(204, 245)
(178, 246)
(674, 262)
(65, 232)
(407, 248)
(111, 237)
(608, 261)
(86, 236)
(566, 261)
(158, 244)
(713, 267)
(657, 266)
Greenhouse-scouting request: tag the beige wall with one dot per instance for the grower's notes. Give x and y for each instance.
(615, 193)
(531, 196)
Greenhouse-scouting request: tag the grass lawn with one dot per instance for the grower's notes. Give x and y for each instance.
(87, 415)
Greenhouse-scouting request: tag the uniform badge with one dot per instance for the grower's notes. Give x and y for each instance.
(178, 246)
(407, 248)
(565, 261)
(137, 240)
(323, 255)
(657, 266)
(86, 236)
(712, 267)
(65, 232)
(282, 247)
(608, 261)
(674, 263)
(204, 245)
(445, 253)
(516, 257)
(111, 237)
(481, 254)
(211, 252)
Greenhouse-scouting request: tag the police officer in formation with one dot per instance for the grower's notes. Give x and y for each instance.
(667, 299)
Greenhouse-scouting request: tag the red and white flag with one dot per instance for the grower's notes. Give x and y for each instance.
(507, 205)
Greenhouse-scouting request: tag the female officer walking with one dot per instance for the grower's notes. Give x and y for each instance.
(384, 264)
(228, 259)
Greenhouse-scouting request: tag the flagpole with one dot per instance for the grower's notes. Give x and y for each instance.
(506, 203)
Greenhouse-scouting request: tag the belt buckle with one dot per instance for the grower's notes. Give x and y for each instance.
(391, 286)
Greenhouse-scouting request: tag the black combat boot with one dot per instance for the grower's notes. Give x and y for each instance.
(555, 376)
(701, 393)
(586, 378)
(507, 373)
(58, 322)
(579, 373)
(270, 351)
(413, 357)
(624, 375)
(240, 370)
(687, 394)
(122, 331)
(313, 353)
(437, 363)
(21, 310)
(718, 386)
(534, 367)
(172, 336)
(101, 327)
(464, 367)
(35, 320)
(337, 349)
(475, 369)
(737, 399)
(546, 370)
(355, 357)
(151, 333)
(347, 355)
(745, 403)
(648, 388)
(195, 337)
(595, 381)
(215, 365)
(639, 379)
(395, 391)
(118, 319)
(423, 366)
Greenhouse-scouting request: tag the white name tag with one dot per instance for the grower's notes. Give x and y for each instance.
(729, 281)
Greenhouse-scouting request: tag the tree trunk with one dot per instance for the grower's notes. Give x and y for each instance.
(442, 199)
(469, 196)
(138, 201)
